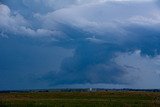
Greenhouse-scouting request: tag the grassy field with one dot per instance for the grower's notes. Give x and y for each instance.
(80, 99)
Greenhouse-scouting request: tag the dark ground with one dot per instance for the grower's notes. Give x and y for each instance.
(80, 99)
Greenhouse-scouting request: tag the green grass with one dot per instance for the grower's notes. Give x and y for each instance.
(80, 99)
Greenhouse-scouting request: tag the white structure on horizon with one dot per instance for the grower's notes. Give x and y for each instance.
(90, 89)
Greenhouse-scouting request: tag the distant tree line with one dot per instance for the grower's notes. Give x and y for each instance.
(77, 90)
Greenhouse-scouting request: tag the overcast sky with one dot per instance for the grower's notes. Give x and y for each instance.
(79, 44)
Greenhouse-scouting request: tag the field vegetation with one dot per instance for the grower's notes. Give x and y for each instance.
(80, 99)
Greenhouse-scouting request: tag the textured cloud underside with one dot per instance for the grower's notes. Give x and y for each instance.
(104, 42)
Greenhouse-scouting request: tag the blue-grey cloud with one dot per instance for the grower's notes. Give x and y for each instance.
(96, 35)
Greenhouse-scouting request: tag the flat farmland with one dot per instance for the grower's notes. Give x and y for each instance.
(81, 99)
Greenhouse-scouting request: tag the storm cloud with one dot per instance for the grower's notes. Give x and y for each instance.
(97, 41)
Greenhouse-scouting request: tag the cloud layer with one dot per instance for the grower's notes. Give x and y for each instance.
(105, 40)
